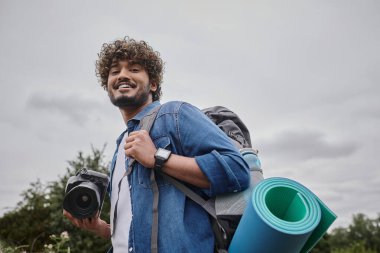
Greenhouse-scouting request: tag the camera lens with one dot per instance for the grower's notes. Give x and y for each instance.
(83, 201)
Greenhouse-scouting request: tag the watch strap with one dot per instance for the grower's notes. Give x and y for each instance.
(160, 159)
(158, 164)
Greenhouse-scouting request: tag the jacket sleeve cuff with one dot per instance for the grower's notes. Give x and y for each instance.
(219, 173)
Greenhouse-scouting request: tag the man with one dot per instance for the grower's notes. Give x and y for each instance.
(195, 151)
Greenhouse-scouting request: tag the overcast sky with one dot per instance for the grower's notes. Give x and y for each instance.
(302, 74)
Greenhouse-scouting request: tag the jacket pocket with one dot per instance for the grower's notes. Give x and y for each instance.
(143, 174)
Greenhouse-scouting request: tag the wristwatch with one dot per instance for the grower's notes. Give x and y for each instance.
(161, 156)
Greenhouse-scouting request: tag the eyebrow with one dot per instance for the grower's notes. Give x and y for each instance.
(134, 62)
(115, 63)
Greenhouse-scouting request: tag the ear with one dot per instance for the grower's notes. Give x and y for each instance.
(153, 86)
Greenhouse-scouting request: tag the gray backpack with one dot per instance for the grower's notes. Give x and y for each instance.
(224, 210)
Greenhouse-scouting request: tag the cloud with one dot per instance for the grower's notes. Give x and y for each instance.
(307, 145)
(279, 66)
(74, 107)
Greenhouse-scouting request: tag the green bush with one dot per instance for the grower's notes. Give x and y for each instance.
(37, 223)
(39, 215)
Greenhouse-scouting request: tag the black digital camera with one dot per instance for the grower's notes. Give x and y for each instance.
(84, 194)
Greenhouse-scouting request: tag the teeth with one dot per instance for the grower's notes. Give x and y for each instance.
(124, 86)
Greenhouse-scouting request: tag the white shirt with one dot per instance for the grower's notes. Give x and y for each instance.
(120, 236)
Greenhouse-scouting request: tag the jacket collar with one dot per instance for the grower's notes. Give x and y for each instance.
(145, 110)
(137, 118)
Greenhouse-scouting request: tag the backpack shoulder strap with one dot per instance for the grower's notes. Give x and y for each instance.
(208, 205)
(146, 123)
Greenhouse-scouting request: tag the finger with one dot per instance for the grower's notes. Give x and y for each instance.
(76, 223)
(127, 145)
(87, 222)
(68, 215)
(134, 133)
(137, 133)
(130, 139)
(142, 131)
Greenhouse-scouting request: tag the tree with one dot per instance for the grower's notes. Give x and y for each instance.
(39, 214)
(23, 226)
(361, 236)
(323, 245)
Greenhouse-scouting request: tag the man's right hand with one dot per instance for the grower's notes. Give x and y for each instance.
(94, 224)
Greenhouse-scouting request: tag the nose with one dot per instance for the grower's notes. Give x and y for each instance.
(124, 74)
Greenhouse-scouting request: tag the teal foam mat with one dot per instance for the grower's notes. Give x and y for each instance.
(282, 216)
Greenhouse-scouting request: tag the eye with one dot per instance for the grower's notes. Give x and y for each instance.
(114, 72)
(135, 68)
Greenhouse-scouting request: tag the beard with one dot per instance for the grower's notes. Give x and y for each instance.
(131, 101)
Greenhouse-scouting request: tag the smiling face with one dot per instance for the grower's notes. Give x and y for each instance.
(128, 85)
(139, 52)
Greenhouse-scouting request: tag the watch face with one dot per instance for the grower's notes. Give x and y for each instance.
(163, 153)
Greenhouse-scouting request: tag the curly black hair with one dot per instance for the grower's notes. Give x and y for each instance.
(131, 50)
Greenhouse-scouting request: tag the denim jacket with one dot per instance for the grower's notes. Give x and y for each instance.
(183, 225)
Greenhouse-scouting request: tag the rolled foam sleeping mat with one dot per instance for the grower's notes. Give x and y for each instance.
(281, 216)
